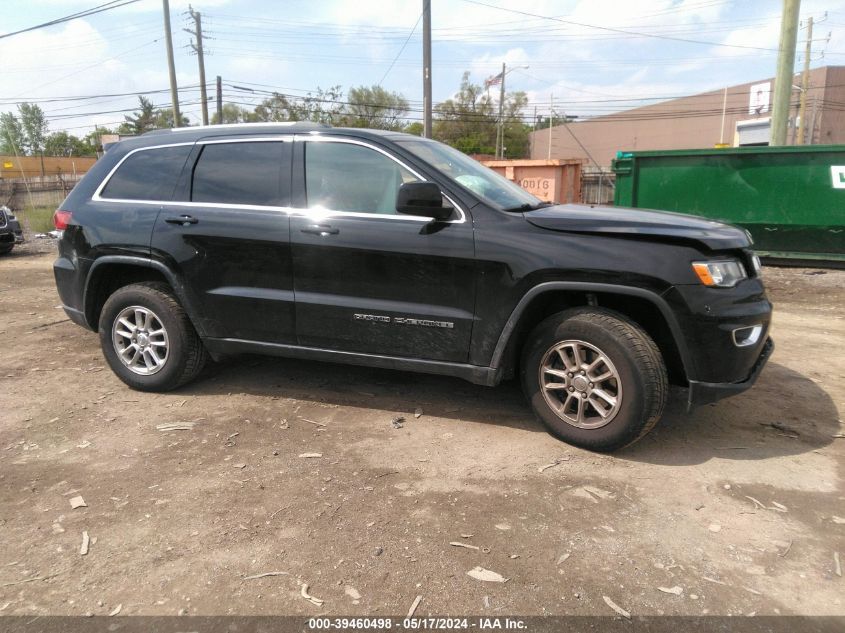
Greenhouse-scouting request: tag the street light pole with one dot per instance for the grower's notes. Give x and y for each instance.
(500, 136)
(805, 82)
(500, 129)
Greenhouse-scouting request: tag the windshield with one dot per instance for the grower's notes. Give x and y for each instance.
(482, 181)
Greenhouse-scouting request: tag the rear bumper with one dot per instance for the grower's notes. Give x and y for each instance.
(707, 392)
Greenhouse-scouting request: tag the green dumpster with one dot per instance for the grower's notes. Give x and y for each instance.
(791, 199)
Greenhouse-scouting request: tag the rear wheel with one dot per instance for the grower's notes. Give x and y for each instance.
(148, 340)
(5, 249)
(594, 378)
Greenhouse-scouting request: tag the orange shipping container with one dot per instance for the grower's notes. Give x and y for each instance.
(556, 180)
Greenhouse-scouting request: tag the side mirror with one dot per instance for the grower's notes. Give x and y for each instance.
(422, 198)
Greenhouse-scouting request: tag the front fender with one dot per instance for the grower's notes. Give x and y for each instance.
(497, 361)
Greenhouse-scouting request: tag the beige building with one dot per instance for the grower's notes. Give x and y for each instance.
(736, 116)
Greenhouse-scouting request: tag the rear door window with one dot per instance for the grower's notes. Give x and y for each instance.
(249, 173)
(149, 174)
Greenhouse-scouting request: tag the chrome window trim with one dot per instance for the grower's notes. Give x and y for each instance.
(97, 197)
(316, 212)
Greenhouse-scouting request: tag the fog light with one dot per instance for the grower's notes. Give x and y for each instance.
(746, 336)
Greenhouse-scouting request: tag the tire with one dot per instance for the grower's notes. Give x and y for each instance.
(6, 249)
(581, 404)
(175, 353)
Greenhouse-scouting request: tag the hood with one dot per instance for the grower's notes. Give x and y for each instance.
(622, 221)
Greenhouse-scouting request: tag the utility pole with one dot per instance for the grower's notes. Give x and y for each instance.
(805, 82)
(426, 68)
(785, 70)
(551, 117)
(168, 37)
(197, 46)
(500, 137)
(219, 100)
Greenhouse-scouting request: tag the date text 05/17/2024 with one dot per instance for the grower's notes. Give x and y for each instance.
(417, 624)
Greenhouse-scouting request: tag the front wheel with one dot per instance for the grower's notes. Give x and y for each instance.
(5, 249)
(594, 378)
(148, 340)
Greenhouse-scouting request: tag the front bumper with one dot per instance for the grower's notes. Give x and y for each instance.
(11, 236)
(707, 392)
(10, 228)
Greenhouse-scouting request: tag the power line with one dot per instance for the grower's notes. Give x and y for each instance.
(108, 6)
(401, 50)
(99, 63)
(616, 30)
(134, 93)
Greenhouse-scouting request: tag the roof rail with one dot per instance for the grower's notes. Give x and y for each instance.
(286, 124)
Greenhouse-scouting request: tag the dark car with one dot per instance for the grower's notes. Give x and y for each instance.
(10, 231)
(388, 250)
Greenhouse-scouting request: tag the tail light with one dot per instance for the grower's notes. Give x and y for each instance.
(61, 219)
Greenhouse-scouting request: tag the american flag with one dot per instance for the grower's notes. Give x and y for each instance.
(493, 81)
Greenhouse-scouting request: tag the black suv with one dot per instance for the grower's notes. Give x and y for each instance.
(10, 231)
(389, 250)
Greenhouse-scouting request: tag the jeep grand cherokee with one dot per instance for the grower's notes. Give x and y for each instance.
(383, 249)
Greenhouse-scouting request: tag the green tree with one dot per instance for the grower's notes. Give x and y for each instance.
(326, 106)
(94, 139)
(543, 121)
(148, 117)
(416, 128)
(516, 140)
(64, 144)
(25, 133)
(163, 119)
(11, 135)
(375, 107)
(469, 121)
(34, 127)
(141, 121)
(234, 114)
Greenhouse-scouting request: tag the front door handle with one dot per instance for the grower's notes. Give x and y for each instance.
(321, 229)
(184, 220)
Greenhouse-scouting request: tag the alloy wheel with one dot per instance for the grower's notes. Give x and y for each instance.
(140, 340)
(580, 384)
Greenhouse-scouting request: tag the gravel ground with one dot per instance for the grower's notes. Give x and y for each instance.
(737, 508)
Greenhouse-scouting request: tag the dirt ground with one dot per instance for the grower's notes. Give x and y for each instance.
(738, 508)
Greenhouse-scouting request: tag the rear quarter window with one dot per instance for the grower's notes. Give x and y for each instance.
(148, 174)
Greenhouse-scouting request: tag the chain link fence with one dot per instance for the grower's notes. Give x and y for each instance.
(597, 187)
(35, 199)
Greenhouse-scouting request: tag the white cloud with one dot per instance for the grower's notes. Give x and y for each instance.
(583, 67)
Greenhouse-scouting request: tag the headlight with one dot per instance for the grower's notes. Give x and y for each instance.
(720, 274)
(749, 236)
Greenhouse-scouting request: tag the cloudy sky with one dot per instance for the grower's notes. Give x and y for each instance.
(594, 56)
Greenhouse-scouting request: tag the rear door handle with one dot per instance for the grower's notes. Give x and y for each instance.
(184, 220)
(321, 229)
